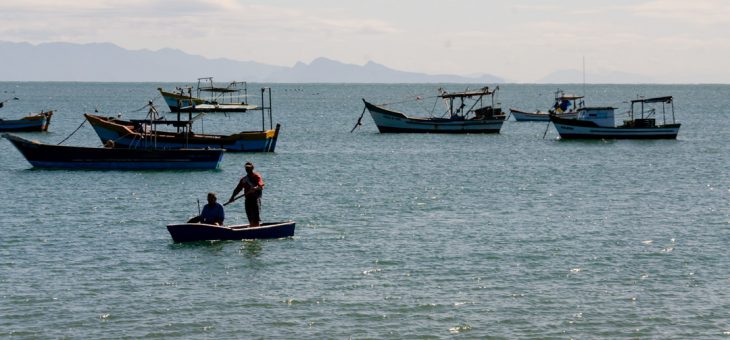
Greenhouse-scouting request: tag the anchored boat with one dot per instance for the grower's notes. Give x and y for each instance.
(74, 157)
(36, 122)
(143, 133)
(189, 232)
(466, 112)
(208, 97)
(565, 106)
(598, 122)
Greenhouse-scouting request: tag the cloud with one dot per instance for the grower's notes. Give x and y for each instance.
(526, 38)
(698, 12)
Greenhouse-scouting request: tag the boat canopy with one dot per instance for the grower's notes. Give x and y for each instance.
(666, 99)
(481, 92)
(569, 97)
(219, 89)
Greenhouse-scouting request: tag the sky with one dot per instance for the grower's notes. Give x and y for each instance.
(662, 41)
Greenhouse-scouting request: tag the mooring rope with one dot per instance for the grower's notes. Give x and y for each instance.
(72, 133)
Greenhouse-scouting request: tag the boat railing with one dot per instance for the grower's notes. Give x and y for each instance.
(230, 94)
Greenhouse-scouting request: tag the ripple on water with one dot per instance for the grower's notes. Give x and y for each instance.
(398, 236)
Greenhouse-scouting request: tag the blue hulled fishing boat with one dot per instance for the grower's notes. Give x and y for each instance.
(37, 122)
(74, 157)
(144, 133)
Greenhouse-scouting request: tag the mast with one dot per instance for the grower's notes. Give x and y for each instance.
(263, 110)
(271, 120)
(584, 76)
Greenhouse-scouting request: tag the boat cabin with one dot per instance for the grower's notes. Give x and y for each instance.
(566, 102)
(602, 116)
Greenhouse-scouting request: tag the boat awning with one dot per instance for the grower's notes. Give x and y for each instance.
(569, 97)
(480, 92)
(219, 89)
(174, 123)
(667, 99)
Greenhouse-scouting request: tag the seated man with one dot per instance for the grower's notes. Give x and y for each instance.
(213, 211)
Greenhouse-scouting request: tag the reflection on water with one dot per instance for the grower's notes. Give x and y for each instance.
(210, 247)
(250, 248)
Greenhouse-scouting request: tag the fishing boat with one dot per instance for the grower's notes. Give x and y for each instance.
(42, 155)
(208, 97)
(598, 122)
(466, 112)
(34, 122)
(144, 133)
(565, 106)
(189, 232)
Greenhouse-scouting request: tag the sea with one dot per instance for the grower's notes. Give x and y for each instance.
(418, 236)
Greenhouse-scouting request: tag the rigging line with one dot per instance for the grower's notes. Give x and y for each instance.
(149, 103)
(434, 107)
(72, 133)
(142, 108)
(418, 100)
(409, 100)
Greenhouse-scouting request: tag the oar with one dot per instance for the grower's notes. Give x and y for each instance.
(234, 199)
(359, 120)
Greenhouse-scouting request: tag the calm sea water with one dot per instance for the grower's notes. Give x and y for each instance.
(398, 236)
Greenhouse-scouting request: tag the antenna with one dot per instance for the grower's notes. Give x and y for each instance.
(584, 76)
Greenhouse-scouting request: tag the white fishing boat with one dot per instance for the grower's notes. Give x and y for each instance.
(208, 97)
(599, 122)
(564, 106)
(466, 112)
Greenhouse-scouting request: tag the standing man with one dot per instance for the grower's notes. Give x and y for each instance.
(252, 185)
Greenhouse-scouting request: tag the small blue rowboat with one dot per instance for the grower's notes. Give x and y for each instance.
(189, 232)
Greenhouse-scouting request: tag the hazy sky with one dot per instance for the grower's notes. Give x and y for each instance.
(521, 40)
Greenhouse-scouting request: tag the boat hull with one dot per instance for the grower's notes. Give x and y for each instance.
(125, 134)
(175, 100)
(581, 129)
(34, 123)
(538, 116)
(72, 157)
(389, 121)
(191, 232)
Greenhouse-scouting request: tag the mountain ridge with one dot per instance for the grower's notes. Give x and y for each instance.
(107, 62)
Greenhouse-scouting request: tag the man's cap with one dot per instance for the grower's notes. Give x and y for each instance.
(249, 165)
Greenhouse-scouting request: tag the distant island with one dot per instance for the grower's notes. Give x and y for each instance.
(106, 62)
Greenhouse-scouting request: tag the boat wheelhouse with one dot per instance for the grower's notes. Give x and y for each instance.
(466, 112)
(599, 122)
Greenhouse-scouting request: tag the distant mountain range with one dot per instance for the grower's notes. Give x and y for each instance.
(111, 63)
